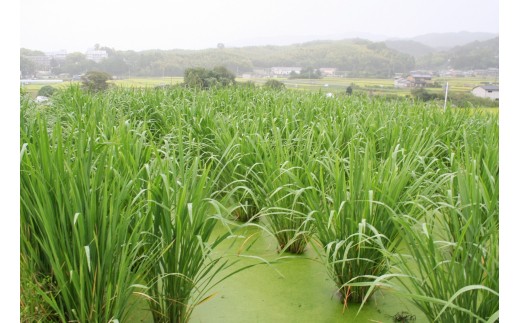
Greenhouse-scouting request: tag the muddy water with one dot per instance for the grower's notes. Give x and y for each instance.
(290, 289)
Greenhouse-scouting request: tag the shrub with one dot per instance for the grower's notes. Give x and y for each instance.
(423, 95)
(274, 85)
(95, 81)
(47, 91)
(202, 78)
(466, 100)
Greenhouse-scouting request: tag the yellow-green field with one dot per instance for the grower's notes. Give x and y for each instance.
(375, 86)
(147, 82)
(328, 84)
(33, 89)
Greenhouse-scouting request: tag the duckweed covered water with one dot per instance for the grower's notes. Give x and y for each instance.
(288, 289)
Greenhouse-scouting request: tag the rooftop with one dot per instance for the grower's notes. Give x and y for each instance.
(489, 87)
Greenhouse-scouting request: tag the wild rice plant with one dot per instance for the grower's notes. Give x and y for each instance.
(181, 216)
(94, 188)
(354, 202)
(279, 181)
(135, 181)
(77, 227)
(233, 165)
(452, 260)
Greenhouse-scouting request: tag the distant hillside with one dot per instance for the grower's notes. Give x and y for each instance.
(409, 47)
(353, 57)
(357, 56)
(445, 41)
(475, 55)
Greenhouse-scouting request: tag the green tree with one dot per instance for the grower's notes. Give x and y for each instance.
(27, 67)
(77, 63)
(423, 95)
(47, 91)
(194, 77)
(30, 52)
(95, 81)
(293, 75)
(55, 66)
(199, 77)
(114, 65)
(224, 76)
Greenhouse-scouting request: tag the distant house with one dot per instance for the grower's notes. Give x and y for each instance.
(419, 80)
(57, 55)
(493, 72)
(401, 83)
(281, 71)
(96, 55)
(328, 71)
(486, 91)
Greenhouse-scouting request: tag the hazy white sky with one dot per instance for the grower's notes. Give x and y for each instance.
(196, 24)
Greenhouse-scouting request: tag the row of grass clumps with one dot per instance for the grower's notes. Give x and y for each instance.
(391, 193)
(112, 209)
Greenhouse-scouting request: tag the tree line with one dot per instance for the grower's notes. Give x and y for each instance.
(350, 57)
(353, 58)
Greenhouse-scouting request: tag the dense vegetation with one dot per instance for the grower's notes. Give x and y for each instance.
(121, 192)
(202, 78)
(95, 81)
(461, 100)
(46, 90)
(353, 57)
(476, 55)
(462, 51)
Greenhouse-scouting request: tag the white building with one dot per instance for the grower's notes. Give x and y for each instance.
(279, 70)
(486, 91)
(96, 55)
(400, 83)
(328, 71)
(58, 55)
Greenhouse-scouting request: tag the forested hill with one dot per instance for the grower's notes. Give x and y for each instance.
(447, 41)
(354, 57)
(475, 55)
